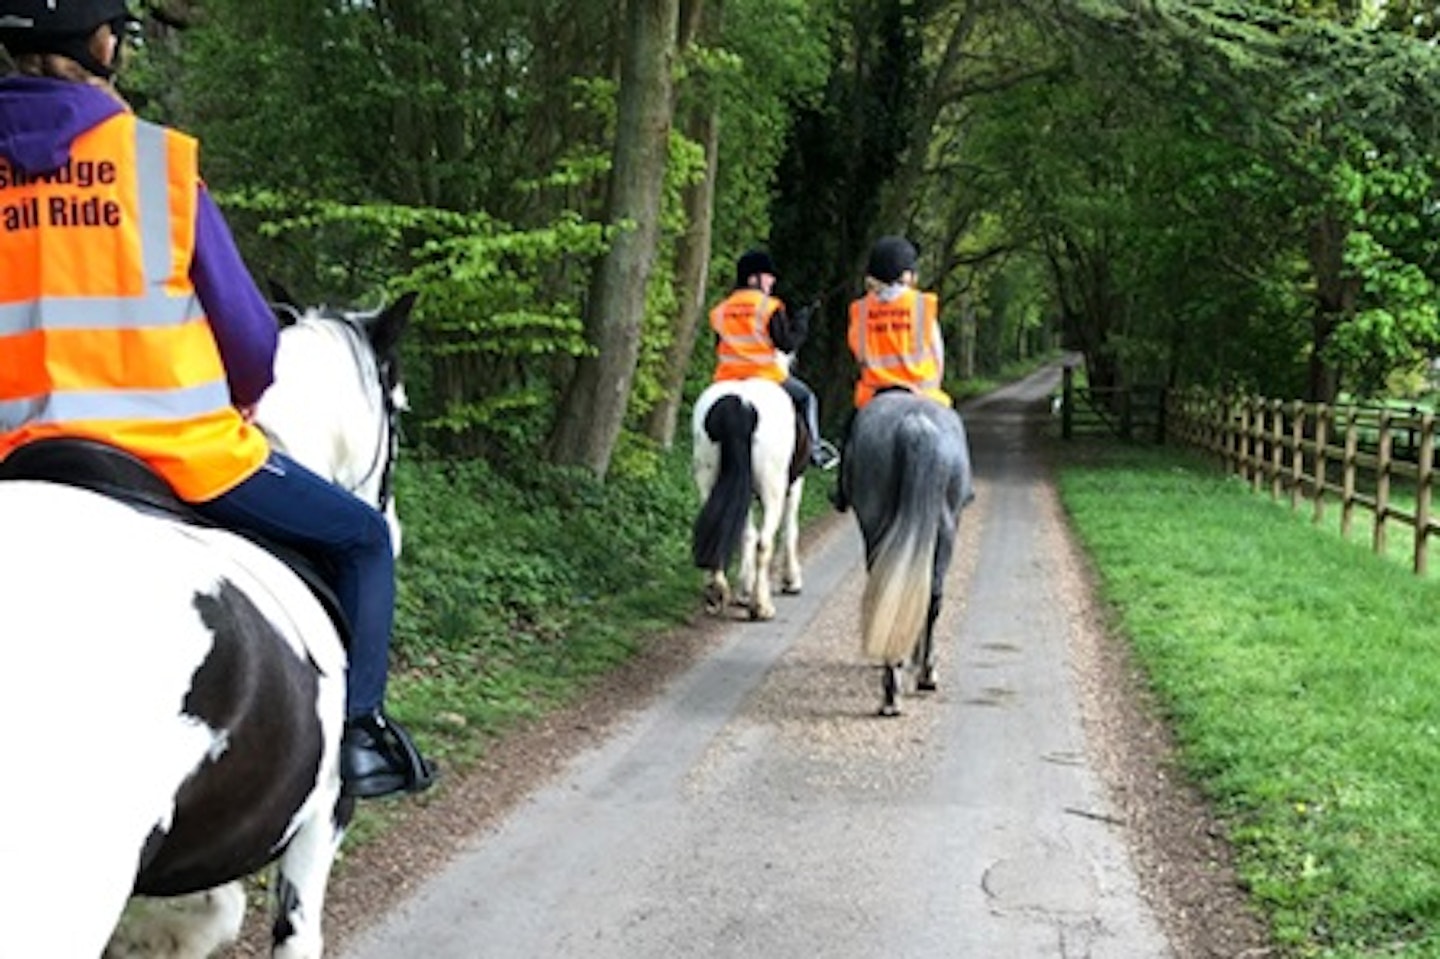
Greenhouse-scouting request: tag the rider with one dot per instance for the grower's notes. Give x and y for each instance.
(895, 336)
(753, 328)
(128, 317)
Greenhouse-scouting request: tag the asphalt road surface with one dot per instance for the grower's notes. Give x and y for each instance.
(759, 808)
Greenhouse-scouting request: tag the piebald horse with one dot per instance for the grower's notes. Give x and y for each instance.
(907, 469)
(174, 693)
(749, 444)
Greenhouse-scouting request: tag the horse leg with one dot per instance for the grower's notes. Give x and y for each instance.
(762, 602)
(927, 680)
(927, 677)
(194, 926)
(717, 591)
(791, 581)
(890, 682)
(303, 874)
(745, 586)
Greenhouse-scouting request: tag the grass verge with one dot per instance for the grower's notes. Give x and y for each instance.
(1298, 671)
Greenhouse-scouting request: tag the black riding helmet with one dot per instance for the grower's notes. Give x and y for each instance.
(61, 26)
(752, 263)
(890, 257)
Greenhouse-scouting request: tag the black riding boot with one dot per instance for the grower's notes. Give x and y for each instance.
(378, 758)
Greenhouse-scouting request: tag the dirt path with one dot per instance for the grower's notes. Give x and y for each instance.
(808, 705)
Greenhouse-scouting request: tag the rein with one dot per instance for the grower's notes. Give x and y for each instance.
(387, 445)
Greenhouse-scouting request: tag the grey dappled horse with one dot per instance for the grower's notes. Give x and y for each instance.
(907, 469)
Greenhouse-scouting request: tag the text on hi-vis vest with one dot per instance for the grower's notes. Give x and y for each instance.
(74, 209)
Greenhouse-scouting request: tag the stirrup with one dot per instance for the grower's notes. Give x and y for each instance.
(825, 455)
(404, 769)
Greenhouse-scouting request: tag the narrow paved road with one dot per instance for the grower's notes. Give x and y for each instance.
(759, 808)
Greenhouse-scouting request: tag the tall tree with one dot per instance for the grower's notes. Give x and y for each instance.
(692, 258)
(592, 411)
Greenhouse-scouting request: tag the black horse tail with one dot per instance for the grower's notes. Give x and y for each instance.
(730, 423)
(896, 601)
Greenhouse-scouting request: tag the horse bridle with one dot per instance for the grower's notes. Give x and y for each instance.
(387, 446)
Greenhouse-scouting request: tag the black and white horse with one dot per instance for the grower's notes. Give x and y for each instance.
(907, 468)
(749, 444)
(173, 694)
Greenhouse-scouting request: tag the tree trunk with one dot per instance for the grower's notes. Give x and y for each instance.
(692, 255)
(1335, 296)
(592, 412)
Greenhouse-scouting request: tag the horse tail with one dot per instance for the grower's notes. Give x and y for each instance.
(896, 602)
(731, 424)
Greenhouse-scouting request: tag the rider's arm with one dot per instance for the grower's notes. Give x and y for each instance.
(243, 323)
(787, 330)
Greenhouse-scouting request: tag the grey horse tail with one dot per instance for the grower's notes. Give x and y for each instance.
(731, 423)
(901, 563)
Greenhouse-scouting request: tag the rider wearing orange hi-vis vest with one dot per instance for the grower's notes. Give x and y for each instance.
(894, 334)
(127, 317)
(162, 395)
(753, 330)
(895, 328)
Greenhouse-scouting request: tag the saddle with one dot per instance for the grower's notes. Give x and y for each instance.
(106, 469)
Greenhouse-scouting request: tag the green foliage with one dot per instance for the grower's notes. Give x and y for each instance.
(514, 589)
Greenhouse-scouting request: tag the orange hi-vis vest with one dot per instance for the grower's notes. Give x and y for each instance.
(101, 333)
(742, 321)
(897, 343)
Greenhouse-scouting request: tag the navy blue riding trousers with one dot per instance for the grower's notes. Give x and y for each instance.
(289, 504)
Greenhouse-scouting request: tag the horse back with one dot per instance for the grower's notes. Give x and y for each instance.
(187, 720)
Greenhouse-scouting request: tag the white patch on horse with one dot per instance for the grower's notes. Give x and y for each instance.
(220, 746)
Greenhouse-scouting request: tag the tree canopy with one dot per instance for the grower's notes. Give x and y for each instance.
(1211, 191)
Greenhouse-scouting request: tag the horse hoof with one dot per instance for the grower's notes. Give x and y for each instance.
(791, 590)
(888, 710)
(927, 683)
(761, 613)
(714, 600)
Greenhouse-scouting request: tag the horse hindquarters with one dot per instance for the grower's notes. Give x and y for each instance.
(280, 703)
(110, 683)
(900, 545)
(723, 478)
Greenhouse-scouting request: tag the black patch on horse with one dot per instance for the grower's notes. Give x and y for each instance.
(233, 812)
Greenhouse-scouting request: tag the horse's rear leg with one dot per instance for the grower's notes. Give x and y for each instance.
(762, 603)
(717, 592)
(891, 680)
(927, 677)
(790, 577)
(304, 874)
(183, 927)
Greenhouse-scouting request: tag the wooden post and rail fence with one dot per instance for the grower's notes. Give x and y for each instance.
(1349, 457)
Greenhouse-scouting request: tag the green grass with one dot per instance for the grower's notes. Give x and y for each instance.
(1301, 677)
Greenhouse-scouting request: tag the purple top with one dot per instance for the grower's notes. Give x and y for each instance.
(40, 118)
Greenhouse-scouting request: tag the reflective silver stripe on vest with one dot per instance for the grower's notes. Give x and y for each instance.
(69, 407)
(152, 162)
(918, 353)
(155, 309)
(756, 335)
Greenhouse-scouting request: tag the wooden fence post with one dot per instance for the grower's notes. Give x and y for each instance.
(1347, 486)
(1297, 454)
(1067, 403)
(1277, 448)
(1323, 414)
(1382, 481)
(1423, 482)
